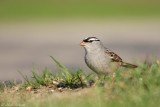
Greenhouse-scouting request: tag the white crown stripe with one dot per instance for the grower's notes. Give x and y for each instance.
(90, 39)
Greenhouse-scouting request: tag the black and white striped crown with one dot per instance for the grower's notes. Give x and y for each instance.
(90, 39)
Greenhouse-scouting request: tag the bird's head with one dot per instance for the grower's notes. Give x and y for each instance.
(90, 43)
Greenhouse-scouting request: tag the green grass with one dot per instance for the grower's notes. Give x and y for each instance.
(138, 87)
(10, 10)
(63, 79)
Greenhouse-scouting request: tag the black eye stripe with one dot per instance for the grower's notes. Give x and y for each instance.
(86, 40)
(90, 39)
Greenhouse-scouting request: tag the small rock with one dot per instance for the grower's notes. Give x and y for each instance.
(51, 91)
(29, 88)
(16, 88)
(60, 89)
(55, 82)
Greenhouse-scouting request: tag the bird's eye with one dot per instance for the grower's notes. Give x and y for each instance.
(88, 41)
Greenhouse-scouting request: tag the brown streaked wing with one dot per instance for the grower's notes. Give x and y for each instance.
(114, 57)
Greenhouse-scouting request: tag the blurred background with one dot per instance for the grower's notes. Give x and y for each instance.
(32, 30)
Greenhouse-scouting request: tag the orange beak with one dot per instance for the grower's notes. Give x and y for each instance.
(83, 44)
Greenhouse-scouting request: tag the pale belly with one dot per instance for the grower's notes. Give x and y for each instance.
(98, 64)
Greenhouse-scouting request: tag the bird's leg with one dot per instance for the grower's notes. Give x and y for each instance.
(101, 80)
(113, 78)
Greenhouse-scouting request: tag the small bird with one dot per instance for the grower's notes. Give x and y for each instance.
(101, 59)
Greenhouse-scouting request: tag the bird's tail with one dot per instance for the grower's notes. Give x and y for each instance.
(128, 65)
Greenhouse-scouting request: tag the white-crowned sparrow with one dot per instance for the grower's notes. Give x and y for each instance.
(100, 59)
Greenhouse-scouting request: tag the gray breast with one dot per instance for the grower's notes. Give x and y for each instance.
(98, 62)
